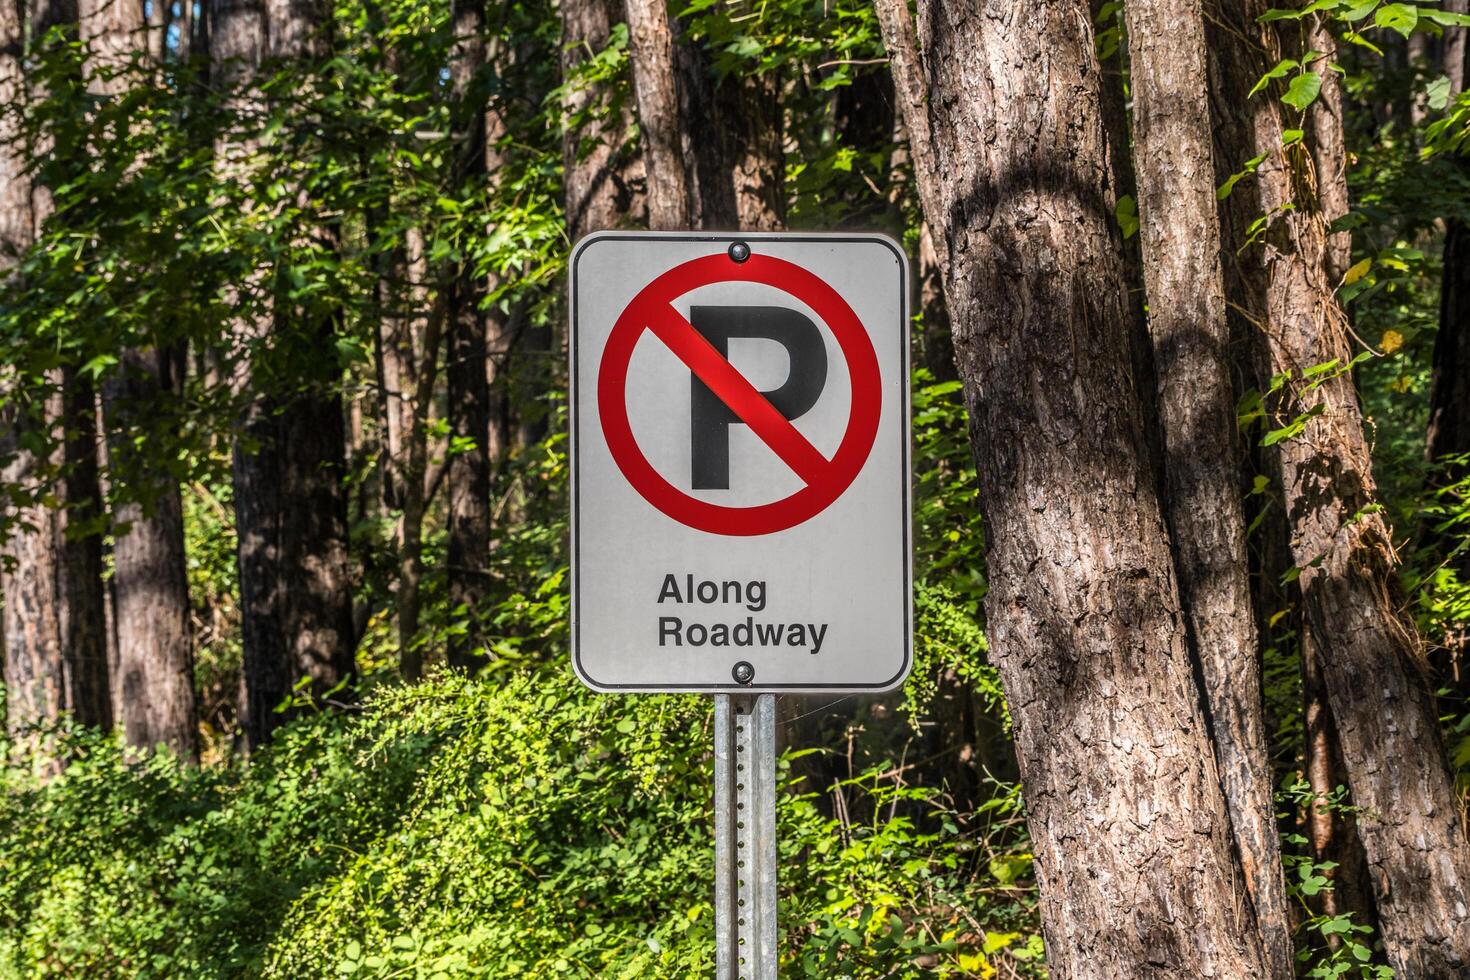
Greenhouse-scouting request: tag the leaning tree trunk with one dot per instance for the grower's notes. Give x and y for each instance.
(1370, 656)
(1127, 818)
(1180, 231)
(155, 670)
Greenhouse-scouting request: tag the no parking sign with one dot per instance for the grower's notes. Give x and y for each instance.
(740, 462)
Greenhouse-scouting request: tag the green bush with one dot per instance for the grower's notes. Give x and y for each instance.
(521, 827)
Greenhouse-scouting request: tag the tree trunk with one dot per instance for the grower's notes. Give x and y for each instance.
(54, 621)
(1333, 837)
(1127, 817)
(602, 182)
(150, 592)
(17, 224)
(1457, 48)
(470, 368)
(730, 134)
(1180, 235)
(1449, 400)
(155, 660)
(660, 127)
(750, 106)
(416, 334)
(1329, 151)
(290, 503)
(1371, 658)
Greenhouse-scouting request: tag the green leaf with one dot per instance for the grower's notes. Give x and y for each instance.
(98, 364)
(1282, 67)
(1303, 90)
(1127, 214)
(1288, 13)
(1437, 92)
(1229, 185)
(1445, 18)
(1399, 17)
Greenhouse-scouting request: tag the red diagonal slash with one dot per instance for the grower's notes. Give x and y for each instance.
(731, 387)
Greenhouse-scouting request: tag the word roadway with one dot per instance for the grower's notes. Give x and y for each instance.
(673, 631)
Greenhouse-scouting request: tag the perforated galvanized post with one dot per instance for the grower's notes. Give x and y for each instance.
(745, 837)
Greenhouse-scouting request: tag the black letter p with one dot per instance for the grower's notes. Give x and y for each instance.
(711, 418)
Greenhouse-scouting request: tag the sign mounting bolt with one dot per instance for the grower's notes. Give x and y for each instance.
(739, 251)
(743, 673)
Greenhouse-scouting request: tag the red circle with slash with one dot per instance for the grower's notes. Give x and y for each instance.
(825, 479)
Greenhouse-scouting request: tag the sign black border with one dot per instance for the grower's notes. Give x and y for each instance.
(905, 344)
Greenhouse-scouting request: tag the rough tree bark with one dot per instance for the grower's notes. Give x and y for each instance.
(1371, 659)
(1127, 817)
(1329, 150)
(155, 660)
(602, 182)
(660, 126)
(466, 377)
(155, 670)
(732, 137)
(1180, 235)
(53, 620)
(290, 505)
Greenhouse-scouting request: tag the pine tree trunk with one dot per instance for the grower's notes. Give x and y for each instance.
(54, 620)
(1180, 234)
(1329, 151)
(1370, 656)
(1457, 49)
(602, 181)
(730, 132)
(155, 663)
(290, 502)
(660, 127)
(150, 592)
(466, 376)
(1127, 817)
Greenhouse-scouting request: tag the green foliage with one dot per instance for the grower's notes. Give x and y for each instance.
(520, 827)
(1332, 946)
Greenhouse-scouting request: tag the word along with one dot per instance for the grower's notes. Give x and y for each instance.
(672, 631)
(739, 450)
(752, 595)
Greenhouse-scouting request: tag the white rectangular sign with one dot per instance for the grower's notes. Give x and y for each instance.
(740, 462)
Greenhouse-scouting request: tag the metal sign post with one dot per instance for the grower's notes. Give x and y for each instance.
(745, 837)
(740, 501)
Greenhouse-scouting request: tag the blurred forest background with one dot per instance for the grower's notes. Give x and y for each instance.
(283, 436)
